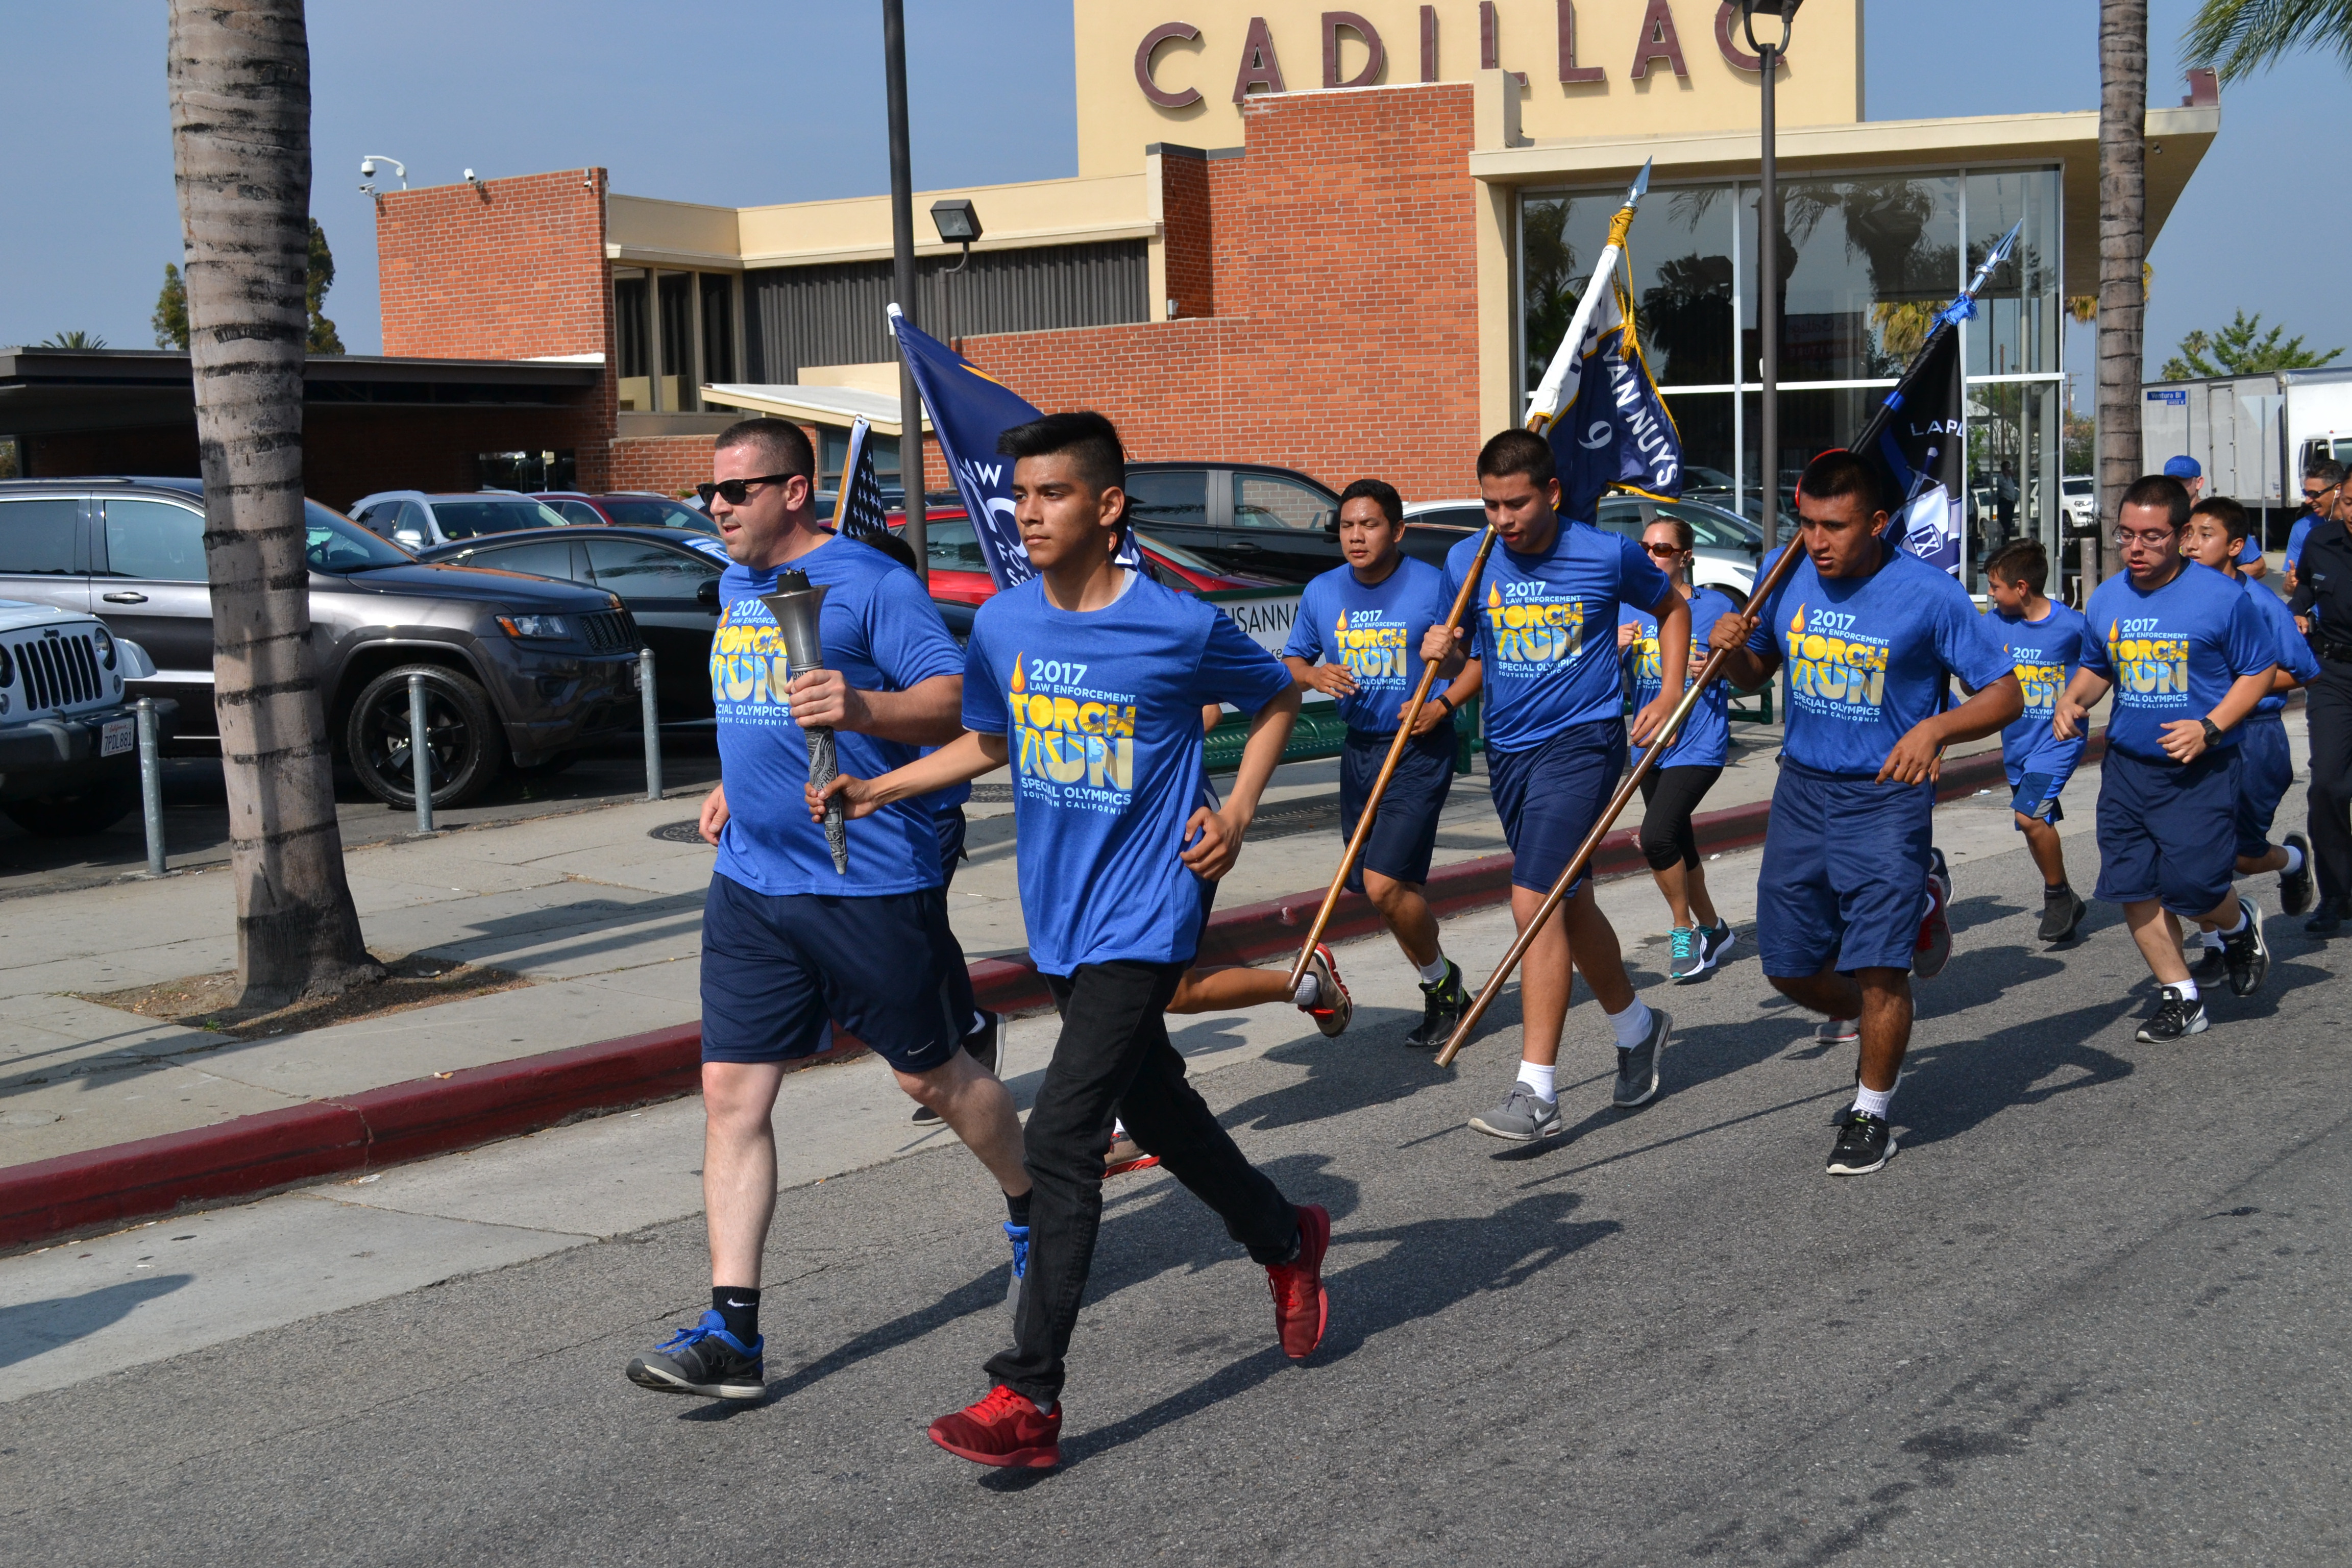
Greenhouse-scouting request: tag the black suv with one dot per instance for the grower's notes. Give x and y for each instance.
(518, 670)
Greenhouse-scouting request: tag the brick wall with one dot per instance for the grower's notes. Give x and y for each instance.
(1343, 273)
(1189, 228)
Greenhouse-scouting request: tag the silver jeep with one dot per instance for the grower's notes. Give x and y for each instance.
(68, 741)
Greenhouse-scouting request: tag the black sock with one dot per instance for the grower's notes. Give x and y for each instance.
(739, 1306)
(1017, 1209)
(2051, 890)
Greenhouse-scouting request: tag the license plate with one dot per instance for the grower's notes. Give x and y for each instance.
(117, 737)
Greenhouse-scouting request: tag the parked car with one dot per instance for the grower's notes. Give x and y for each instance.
(1246, 520)
(959, 573)
(2079, 495)
(421, 521)
(68, 731)
(518, 671)
(1724, 550)
(644, 510)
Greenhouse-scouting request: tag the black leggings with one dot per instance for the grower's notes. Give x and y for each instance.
(1670, 795)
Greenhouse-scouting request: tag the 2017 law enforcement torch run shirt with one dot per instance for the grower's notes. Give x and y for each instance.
(1375, 631)
(2294, 648)
(1706, 740)
(2172, 654)
(1100, 710)
(1545, 629)
(2045, 655)
(1868, 657)
(881, 633)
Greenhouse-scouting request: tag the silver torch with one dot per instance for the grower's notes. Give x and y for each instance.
(796, 605)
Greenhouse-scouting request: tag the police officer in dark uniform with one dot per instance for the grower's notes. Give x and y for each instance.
(2323, 602)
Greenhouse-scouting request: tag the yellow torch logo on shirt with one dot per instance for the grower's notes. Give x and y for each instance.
(749, 672)
(1832, 663)
(2149, 667)
(1374, 653)
(1533, 632)
(2042, 684)
(1067, 735)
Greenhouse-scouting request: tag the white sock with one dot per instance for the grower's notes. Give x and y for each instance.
(1872, 1101)
(1539, 1078)
(1632, 1026)
(2188, 988)
(2242, 917)
(1310, 990)
(2294, 861)
(1433, 971)
(2213, 939)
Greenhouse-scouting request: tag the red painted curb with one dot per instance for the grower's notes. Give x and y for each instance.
(100, 1188)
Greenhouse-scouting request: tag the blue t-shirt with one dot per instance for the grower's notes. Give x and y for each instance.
(2294, 648)
(2174, 653)
(2045, 654)
(1869, 658)
(1706, 740)
(2295, 536)
(881, 633)
(1544, 628)
(1101, 712)
(1375, 631)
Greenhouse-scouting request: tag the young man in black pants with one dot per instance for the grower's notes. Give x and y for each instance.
(1090, 680)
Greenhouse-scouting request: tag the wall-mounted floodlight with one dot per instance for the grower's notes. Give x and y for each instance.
(367, 172)
(958, 225)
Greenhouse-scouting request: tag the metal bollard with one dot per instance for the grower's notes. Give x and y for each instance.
(420, 754)
(653, 724)
(150, 786)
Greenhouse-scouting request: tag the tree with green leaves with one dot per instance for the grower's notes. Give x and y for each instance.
(77, 339)
(2243, 348)
(322, 338)
(171, 317)
(2239, 37)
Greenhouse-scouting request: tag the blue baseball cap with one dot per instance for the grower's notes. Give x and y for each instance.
(2183, 467)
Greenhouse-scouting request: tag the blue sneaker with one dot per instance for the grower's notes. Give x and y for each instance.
(1689, 960)
(706, 1360)
(1018, 1234)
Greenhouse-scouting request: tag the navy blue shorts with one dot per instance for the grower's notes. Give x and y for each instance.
(1845, 880)
(1404, 830)
(2169, 832)
(776, 966)
(1550, 796)
(2035, 781)
(950, 826)
(2265, 770)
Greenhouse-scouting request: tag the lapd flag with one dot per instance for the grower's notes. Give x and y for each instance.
(858, 512)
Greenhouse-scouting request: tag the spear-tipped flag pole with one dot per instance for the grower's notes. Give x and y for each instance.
(1553, 396)
(1922, 366)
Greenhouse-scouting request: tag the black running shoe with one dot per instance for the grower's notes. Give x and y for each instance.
(986, 1046)
(1442, 1008)
(2177, 1018)
(706, 1360)
(2295, 888)
(1863, 1145)
(2326, 920)
(2246, 954)
(2209, 965)
(2062, 913)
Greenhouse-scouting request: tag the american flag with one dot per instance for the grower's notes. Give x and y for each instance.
(858, 512)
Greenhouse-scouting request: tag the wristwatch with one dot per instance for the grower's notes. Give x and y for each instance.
(2213, 733)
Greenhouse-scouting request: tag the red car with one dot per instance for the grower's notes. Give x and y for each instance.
(959, 573)
(640, 511)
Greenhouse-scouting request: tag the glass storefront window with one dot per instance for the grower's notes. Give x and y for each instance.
(1681, 277)
(1864, 266)
(2017, 327)
(2013, 489)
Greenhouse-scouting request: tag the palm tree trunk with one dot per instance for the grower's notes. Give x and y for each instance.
(2123, 250)
(239, 73)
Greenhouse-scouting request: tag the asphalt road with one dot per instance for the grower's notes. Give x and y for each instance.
(2095, 1310)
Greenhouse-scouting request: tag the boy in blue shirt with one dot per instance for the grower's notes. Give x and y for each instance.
(2045, 642)
(2266, 764)
(2189, 657)
(1871, 634)
(1368, 619)
(2191, 475)
(1672, 791)
(1090, 680)
(1543, 632)
(787, 941)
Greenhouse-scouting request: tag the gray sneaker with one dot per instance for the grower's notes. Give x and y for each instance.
(1687, 960)
(1838, 1031)
(1637, 1069)
(1522, 1117)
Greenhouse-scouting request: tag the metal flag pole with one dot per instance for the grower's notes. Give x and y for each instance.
(1947, 320)
(1544, 405)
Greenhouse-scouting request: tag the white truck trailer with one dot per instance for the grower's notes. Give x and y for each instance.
(2254, 434)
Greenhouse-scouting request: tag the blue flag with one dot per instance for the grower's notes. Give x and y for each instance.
(1613, 431)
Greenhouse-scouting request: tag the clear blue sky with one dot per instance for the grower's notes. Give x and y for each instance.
(740, 101)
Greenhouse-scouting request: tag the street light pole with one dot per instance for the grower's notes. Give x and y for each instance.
(1768, 264)
(902, 283)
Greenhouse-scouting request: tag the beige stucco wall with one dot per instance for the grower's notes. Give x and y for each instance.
(1820, 84)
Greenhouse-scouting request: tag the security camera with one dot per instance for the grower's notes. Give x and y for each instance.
(367, 168)
(469, 176)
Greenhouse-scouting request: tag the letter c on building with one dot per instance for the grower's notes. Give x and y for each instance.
(1164, 33)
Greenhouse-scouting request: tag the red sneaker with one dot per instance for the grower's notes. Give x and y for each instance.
(1125, 1154)
(1333, 1006)
(1301, 1308)
(1003, 1429)
(1933, 947)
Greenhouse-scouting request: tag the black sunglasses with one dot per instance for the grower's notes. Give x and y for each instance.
(736, 491)
(1663, 549)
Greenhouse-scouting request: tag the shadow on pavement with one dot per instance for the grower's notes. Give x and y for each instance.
(36, 1328)
(1951, 1088)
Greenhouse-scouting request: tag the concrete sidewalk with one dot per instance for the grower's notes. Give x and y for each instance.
(600, 910)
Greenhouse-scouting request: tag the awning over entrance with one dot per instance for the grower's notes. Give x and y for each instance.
(839, 405)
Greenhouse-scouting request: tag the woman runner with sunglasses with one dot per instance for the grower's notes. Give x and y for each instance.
(1691, 765)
